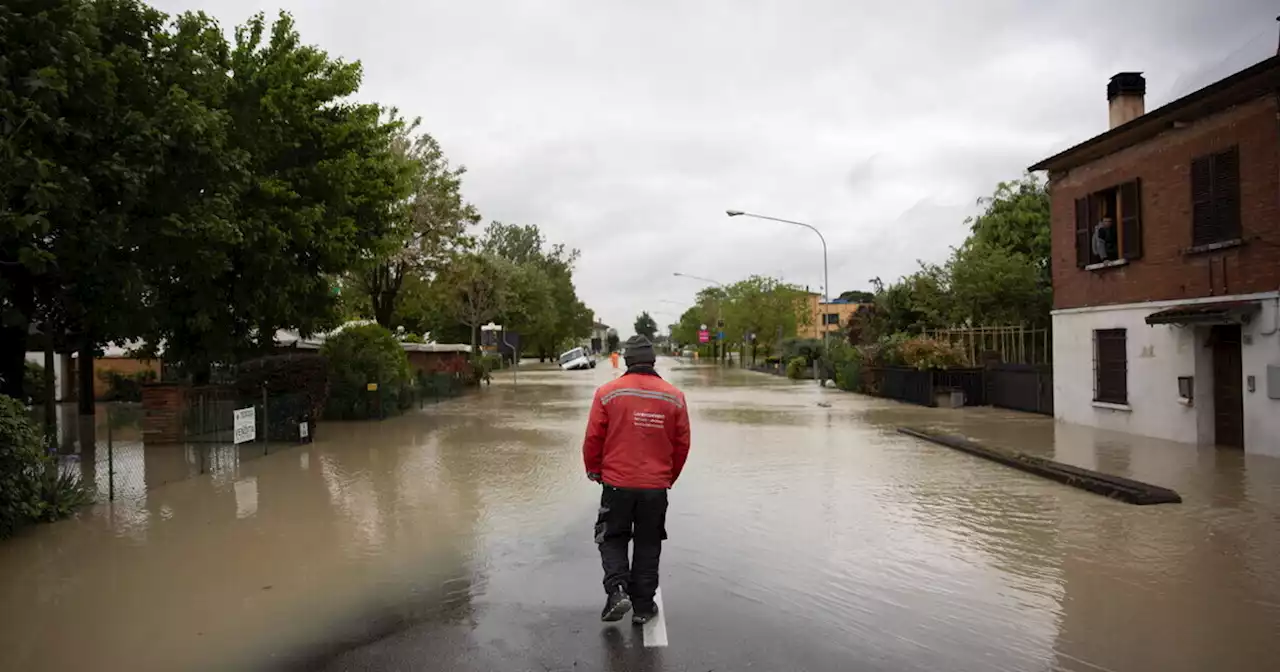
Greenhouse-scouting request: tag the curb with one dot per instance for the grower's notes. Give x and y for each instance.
(1113, 487)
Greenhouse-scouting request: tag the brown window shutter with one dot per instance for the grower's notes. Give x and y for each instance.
(1111, 366)
(1226, 194)
(1131, 224)
(1082, 232)
(1203, 228)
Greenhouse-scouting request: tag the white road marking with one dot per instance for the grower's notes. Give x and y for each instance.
(655, 631)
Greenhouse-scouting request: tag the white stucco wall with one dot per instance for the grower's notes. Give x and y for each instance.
(1157, 356)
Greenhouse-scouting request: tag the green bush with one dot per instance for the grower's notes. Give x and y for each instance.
(798, 368)
(31, 489)
(125, 386)
(926, 353)
(482, 367)
(844, 364)
(357, 357)
(33, 388)
(297, 387)
(811, 349)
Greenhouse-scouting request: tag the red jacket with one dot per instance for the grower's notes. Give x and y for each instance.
(638, 432)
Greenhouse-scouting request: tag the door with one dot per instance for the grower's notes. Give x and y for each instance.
(1228, 395)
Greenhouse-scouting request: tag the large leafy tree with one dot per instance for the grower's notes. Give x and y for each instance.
(434, 229)
(543, 303)
(320, 188)
(109, 129)
(646, 326)
(474, 290)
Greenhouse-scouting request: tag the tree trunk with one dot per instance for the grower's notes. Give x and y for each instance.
(86, 378)
(50, 395)
(13, 357)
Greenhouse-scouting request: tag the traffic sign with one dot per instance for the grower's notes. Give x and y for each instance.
(704, 336)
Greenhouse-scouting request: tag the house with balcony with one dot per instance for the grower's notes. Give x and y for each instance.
(1166, 265)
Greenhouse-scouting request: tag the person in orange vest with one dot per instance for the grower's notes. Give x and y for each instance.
(613, 357)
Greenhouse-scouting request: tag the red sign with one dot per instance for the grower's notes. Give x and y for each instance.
(704, 336)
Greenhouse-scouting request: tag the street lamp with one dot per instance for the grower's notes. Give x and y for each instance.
(826, 280)
(719, 307)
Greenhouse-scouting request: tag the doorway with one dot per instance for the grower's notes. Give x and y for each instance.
(1228, 395)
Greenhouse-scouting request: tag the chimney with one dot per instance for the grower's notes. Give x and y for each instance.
(1125, 93)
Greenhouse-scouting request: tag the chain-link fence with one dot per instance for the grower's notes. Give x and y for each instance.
(109, 454)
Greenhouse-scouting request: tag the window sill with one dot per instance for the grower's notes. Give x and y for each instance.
(1107, 264)
(1213, 247)
(1113, 407)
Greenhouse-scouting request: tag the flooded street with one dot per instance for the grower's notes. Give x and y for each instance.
(802, 537)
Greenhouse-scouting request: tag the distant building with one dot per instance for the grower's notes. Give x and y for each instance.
(600, 333)
(826, 316)
(1166, 264)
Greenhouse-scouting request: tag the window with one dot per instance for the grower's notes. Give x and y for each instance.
(1110, 366)
(1109, 225)
(1215, 198)
(831, 318)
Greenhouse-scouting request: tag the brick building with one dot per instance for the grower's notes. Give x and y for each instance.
(1166, 265)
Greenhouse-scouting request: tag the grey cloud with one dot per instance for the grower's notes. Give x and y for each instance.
(626, 129)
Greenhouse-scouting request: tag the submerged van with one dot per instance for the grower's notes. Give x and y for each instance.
(576, 359)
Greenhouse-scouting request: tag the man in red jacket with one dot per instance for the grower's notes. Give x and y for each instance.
(636, 445)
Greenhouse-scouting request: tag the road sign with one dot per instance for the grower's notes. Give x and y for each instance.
(720, 335)
(244, 425)
(704, 336)
(372, 387)
(703, 327)
(302, 430)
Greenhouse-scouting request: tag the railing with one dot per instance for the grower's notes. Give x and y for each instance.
(1021, 387)
(904, 384)
(1016, 344)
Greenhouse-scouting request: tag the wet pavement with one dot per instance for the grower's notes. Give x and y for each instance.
(802, 537)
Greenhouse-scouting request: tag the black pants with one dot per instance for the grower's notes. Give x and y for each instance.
(626, 515)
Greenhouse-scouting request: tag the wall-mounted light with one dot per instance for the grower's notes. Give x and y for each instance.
(1187, 387)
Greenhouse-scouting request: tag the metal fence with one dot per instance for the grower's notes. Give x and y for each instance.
(902, 383)
(1021, 387)
(1014, 345)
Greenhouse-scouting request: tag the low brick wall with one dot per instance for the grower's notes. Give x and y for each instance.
(163, 405)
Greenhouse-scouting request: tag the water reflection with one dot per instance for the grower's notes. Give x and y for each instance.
(808, 537)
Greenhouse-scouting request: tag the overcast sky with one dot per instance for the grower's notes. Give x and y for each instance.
(625, 129)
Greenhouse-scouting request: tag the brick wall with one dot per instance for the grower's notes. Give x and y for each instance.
(1165, 271)
(162, 406)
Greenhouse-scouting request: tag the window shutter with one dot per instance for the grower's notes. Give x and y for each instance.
(1131, 225)
(1082, 232)
(1203, 229)
(1226, 194)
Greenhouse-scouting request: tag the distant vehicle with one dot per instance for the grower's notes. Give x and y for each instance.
(687, 352)
(577, 359)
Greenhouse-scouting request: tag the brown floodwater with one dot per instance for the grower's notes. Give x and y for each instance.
(458, 537)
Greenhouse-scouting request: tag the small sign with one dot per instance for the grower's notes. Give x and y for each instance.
(372, 387)
(703, 327)
(245, 425)
(302, 430)
(704, 336)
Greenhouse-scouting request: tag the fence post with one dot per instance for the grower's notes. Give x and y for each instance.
(111, 461)
(266, 420)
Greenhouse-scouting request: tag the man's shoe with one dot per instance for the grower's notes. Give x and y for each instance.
(617, 606)
(643, 615)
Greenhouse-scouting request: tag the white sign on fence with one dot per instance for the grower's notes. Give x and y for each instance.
(246, 424)
(302, 430)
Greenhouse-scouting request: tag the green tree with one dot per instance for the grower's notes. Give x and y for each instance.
(433, 231)
(474, 291)
(320, 187)
(542, 302)
(108, 122)
(858, 296)
(646, 326)
(1015, 218)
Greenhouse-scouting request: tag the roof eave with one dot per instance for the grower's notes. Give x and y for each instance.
(1169, 111)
